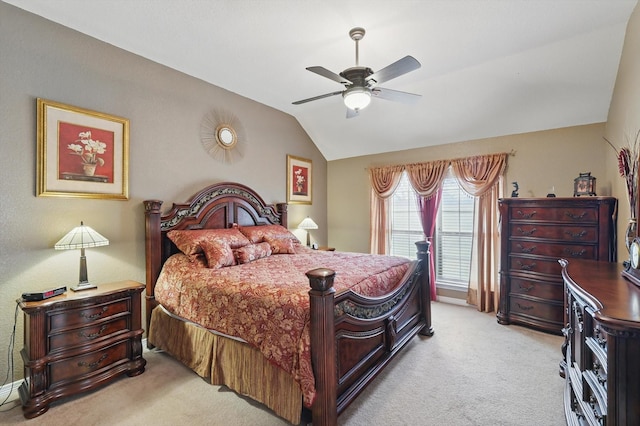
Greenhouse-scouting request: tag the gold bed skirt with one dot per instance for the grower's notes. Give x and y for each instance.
(227, 362)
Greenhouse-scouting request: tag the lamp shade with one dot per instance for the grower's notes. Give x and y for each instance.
(81, 237)
(357, 98)
(308, 223)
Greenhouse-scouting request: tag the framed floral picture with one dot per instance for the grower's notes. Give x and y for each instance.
(81, 153)
(299, 180)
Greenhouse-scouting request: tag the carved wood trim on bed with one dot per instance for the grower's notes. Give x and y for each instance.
(352, 337)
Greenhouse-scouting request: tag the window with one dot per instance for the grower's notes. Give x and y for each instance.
(453, 236)
(406, 227)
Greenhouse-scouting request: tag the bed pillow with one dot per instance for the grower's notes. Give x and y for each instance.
(252, 252)
(218, 253)
(281, 245)
(189, 241)
(259, 233)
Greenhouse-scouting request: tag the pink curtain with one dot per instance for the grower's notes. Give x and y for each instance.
(426, 179)
(482, 177)
(428, 212)
(384, 181)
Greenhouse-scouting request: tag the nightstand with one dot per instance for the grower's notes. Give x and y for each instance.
(324, 248)
(76, 342)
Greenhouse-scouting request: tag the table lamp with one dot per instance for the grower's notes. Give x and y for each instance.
(82, 237)
(308, 224)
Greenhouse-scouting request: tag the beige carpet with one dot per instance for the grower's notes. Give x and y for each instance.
(473, 371)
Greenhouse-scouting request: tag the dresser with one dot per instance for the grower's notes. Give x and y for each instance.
(601, 364)
(535, 233)
(78, 341)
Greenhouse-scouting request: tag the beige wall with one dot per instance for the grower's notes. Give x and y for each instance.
(624, 111)
(167, 160)
(540, 161)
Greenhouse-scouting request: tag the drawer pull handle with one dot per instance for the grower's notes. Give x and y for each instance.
(576, 235)
(575, 253)
(94, 364)
(526, 249)
(526, 288)
(526, 233)
(526, 267)
(526, 215)
(576, 216)
(524, 308)
(94, 316)
(93, 335)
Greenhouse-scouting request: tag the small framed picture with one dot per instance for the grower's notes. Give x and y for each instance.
(81, 153)
(584, 184)
(299, 180)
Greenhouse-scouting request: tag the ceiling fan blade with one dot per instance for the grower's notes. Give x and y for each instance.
(351, 113)
(396, 69)
(315, 98)
(329, 74)
(394, 95)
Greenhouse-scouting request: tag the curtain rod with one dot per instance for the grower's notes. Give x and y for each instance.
(511, 153)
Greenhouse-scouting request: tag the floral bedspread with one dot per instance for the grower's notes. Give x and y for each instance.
(266, 302)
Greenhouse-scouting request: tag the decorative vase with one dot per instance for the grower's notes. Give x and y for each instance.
(89, 169)
(632, 232)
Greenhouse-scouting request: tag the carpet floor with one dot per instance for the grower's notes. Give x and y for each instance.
(473, 371)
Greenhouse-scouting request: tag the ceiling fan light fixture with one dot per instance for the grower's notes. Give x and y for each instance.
(357, 98)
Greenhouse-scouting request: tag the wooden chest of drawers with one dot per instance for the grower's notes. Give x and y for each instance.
(535, 233)
(76, 342)
(602, 345)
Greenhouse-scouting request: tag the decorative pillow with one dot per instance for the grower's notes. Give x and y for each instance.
(281, 245)
(218, 254)
(259, 233)
(252, 252)
(189, 241)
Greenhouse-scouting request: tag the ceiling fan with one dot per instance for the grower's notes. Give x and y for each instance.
(361, 83)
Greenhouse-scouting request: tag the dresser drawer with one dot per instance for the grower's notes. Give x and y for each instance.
(568, 233)
(540, 289)
(565, 250)
(88, 334)
(538, 309)
(555, 214)
(87, 315)
(540, 265)
(78, 366)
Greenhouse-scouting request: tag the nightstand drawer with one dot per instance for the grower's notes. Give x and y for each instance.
(75, 367)
(82, 316)
(88, 334)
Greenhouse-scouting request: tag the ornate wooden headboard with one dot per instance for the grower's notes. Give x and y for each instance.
(214, 207)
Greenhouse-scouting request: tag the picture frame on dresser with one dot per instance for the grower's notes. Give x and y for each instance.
(299, 180)
(81, 153)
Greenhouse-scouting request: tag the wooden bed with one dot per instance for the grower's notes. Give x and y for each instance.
(352, 337)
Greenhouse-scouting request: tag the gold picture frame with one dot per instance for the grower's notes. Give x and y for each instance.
(299, 180)
(81, 153)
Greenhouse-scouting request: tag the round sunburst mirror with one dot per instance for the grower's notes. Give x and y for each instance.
(221, 136)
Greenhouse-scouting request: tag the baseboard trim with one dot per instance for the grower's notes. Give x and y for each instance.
(452, 300)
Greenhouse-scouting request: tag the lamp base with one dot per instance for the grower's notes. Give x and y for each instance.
(83, 286)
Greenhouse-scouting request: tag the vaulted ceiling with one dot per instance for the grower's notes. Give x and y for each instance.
(489, 67)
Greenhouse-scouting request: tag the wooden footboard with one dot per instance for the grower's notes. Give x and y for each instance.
(354, 337)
